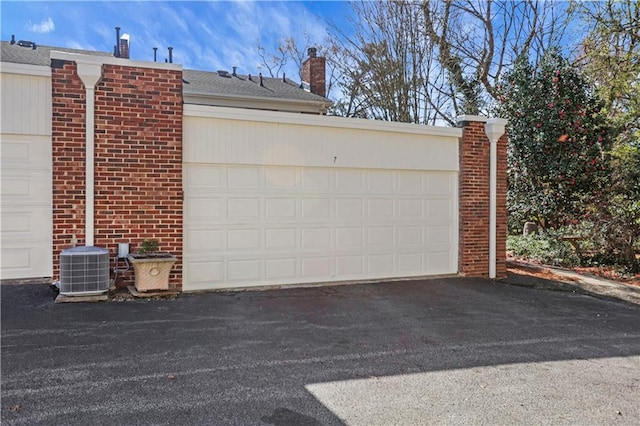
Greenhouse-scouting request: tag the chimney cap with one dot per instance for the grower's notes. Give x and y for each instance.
(312, 52)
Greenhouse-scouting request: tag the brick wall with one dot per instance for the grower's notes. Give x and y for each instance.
(138, 160)
(473, 252)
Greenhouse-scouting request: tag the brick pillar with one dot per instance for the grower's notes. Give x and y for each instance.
(501, 219)
(138, 159)
(68, 155)
(473, 247)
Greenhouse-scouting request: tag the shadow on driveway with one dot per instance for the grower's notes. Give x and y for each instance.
(247, 358)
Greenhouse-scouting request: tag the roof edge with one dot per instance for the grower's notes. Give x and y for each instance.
(206, 111)
(25, 69)
(263, 99)
(93, 59)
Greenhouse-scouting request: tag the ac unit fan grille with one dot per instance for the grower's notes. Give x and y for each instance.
(84, 270)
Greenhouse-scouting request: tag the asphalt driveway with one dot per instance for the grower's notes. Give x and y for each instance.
(445, 351)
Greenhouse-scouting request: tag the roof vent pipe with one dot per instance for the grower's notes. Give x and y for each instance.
(250, 77)
(13, 39)
(155, 54)
(116, 50)
(234, 71)
(171, 55)
(261, 83)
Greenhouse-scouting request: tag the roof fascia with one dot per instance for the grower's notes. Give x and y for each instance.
(256, 102)
(25, 69)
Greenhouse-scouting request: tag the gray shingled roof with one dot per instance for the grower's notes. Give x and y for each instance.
(40, 56)
(211, 83)
(195, 82)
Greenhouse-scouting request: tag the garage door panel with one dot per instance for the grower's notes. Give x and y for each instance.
(281, 269)
(411, 262)
(247, 177)
(25, 187)
(206, 240)
(349, 180)
(349, 208)
(281, 208)
(438, 183)
(380, 264)
(25, 151)
(26, 224)
(244, 270)
(25, 260)
(26, 200)
(316, 179)
(409, 182)
(204, 209)
(283, 177)
(205, 177)
(286, 238)
(380, 207)
(243, 239)
(380, 181)
(243, 208)
(439, 208)
(316, 208)
(349, 237)
(284, 225)
(440, 262)
(349, 266)
(316, 268)
(316, 238)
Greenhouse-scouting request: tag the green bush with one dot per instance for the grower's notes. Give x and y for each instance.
(546, 247)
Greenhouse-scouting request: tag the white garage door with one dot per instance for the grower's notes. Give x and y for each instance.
(265, 225)
(26, 207)
(274, 198)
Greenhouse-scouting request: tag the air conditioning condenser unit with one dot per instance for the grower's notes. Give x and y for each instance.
(84, 271)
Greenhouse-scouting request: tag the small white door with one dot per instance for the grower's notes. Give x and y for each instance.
(26, 207)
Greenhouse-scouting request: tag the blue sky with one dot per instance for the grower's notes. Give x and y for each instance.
(205, 35)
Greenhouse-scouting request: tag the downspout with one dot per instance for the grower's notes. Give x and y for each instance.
(90, 74)
(494, 128)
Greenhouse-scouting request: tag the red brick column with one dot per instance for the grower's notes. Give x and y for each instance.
(138, 160)
(473, 246)
(68, 156)
(501, 209)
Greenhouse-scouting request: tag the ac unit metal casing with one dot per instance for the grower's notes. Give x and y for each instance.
(84, 271)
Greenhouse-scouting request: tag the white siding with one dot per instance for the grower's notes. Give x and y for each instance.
(260, 137)
(267, 202)
(26, 104)
(26, 194)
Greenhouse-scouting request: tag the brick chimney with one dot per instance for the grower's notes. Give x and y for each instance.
(313, 72)
(124, 46)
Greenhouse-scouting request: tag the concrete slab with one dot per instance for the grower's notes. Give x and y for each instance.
(151, 294)
(61, 298)
(513, 394)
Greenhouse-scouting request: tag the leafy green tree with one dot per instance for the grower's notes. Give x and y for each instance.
(557, 142)
(610, 58)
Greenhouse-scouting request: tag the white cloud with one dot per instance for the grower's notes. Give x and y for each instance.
(43, 27)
